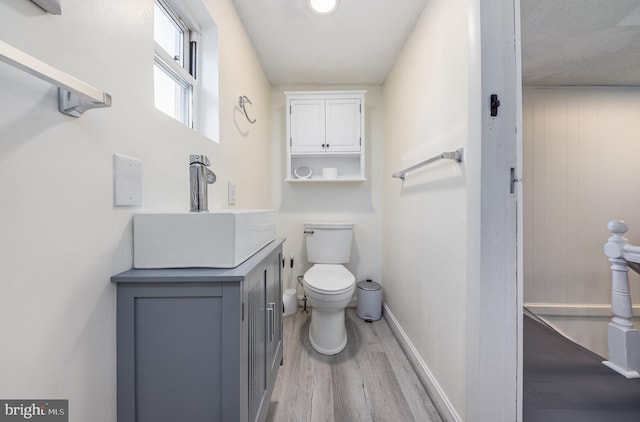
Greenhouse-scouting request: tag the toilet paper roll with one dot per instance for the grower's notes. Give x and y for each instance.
(290, 302)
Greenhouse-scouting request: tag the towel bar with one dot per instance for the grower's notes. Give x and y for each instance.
(74, 96)
(456, 155)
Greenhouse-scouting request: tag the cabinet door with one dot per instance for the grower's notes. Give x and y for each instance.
(307, 126)
(274, 303)
(343, 125)
(257, 342)
(178, 347)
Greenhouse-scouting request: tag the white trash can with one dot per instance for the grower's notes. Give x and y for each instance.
(369, 300)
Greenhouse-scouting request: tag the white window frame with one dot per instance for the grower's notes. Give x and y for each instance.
(181, 67)
(204, 110)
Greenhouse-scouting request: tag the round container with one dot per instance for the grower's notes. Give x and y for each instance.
(369, 300)
(302, 172)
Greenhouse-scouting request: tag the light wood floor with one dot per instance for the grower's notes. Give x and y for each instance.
(371, 380)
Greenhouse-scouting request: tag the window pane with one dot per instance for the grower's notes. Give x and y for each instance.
(171, 97)
(166, 33)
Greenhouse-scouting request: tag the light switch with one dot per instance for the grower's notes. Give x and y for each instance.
(127, 181)
(232, 193)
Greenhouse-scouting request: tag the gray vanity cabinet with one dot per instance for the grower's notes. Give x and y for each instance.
(200, 344)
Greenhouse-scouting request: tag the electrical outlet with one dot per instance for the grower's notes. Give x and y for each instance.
(231, 193)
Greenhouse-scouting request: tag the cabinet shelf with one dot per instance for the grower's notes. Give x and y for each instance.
(353, 154)
(321, 180)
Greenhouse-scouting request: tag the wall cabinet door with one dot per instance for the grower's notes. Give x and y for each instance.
(307, 125)
(325, 125)
(343, 124)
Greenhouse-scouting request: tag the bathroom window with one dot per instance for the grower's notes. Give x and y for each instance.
(175, 58)
(186, 64)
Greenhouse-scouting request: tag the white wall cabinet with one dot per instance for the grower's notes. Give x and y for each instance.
(326, 129)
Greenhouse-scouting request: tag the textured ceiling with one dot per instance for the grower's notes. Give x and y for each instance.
(580, 42)
(564, 42)
(357, 44)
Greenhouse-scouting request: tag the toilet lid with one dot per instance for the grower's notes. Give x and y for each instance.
(329, 278)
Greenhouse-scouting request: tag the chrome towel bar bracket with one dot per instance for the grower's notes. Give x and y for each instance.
(74, 96)
(457, 156)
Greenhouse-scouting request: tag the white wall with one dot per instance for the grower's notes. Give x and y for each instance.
(360, 203)
(61, 237)
(429, 104)
(581, 170)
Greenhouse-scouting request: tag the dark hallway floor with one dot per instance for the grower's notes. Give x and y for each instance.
(564, 382)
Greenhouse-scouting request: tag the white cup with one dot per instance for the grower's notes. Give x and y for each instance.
(329, 173)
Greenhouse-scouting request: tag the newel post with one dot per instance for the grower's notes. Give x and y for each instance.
(624, 340)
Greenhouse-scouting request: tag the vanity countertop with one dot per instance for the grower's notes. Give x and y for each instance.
(173, 275)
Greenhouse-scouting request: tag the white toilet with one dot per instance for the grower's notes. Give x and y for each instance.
(329, 286)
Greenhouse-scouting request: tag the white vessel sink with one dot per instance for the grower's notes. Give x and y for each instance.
(216, 239)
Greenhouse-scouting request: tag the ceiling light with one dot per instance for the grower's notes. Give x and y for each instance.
(323, 7)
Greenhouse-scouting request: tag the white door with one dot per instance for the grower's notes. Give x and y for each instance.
(343, 131)
(494, 376)
(307, 131)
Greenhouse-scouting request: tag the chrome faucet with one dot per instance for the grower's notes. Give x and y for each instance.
(199, 177)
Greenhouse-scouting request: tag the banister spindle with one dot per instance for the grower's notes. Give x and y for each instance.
(624, 340)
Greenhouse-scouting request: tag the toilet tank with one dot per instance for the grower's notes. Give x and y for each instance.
(328, 243)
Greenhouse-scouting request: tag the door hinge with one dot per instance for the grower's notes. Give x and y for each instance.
(495, 103)
(290, 142)
(242, 311)
(290, 110)
(360, 108)
(361, 141)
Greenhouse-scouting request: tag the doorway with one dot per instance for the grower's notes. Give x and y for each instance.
(581, 101)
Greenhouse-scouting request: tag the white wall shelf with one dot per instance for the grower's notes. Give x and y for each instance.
(321, 180)
(325, 154)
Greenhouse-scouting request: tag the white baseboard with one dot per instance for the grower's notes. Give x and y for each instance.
(575, 309)
(440, 400)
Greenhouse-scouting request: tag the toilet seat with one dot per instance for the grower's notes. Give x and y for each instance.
(329, 279)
